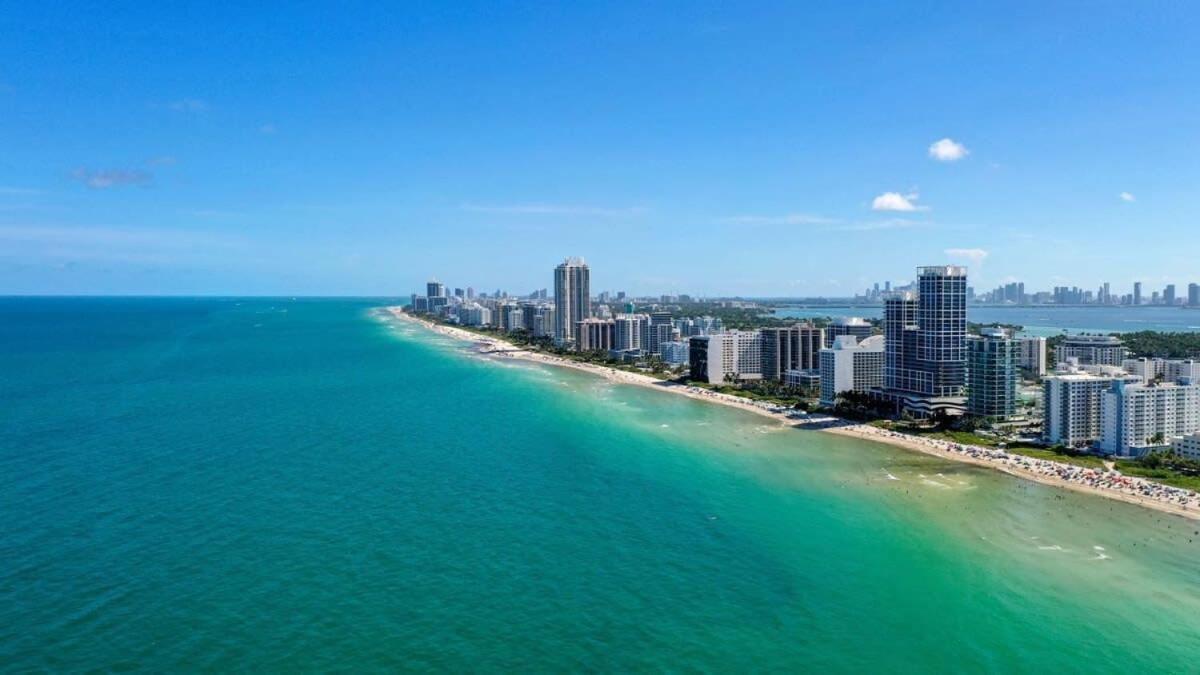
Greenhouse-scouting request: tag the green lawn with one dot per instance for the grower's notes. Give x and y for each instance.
(1087, 461)
(1164, 476)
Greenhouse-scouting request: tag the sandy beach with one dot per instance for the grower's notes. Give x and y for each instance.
(1110, 484)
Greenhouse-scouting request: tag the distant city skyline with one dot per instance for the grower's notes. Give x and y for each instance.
(776, 151)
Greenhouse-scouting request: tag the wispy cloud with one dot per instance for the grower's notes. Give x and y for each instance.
(1127, 197)
(894, 201)
(888, 224)
(108, 178)
(786, 219)
(115, 237)
(552, 209)
(213, 213)
(161, 160)
(20, 191)
(190, 105)
(948, 150)
(974, 255)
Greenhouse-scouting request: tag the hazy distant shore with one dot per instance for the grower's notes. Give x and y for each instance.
(1110, 484)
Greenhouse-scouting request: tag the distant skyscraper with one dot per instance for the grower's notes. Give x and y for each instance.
(1194, 295)
(435, 289)
(572, 298)
(926, 352)
(1169, 295)
(1137, 292)
(470, 293)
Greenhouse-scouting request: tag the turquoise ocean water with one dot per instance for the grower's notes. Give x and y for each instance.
(279, 485)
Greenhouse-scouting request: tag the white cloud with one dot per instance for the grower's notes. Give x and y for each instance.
(894, 201)
(947, 150)
(1127, 197)
(975, 255)
(552, 209)
(107, 178)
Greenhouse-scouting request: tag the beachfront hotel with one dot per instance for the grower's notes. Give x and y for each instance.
(925, 351)
(1072, 399)
(725, 357)
(572, 299)
(850, 365)
(1136, 417)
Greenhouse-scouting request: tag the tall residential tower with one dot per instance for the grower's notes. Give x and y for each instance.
(926, 349)
(572, 298)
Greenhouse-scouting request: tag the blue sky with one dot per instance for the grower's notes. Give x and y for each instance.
(711, 148)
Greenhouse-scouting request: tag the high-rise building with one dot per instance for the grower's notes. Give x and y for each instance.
(630, 331)
(1136, 417)
(991, 375)
(660, 330)
(1194, 295)
(1031, 355)
(1091, 350)
(435, 289)
(1168, 295)
(925, 346)
(572, 298)
(594, 335)
(850, 365)
(859, 327)
(787, 348)
(1072, 403)
(724, 357)
(674, 353)
(1137, 292)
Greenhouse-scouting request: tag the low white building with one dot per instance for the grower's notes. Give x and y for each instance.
(1187, 446)
(1167, 370)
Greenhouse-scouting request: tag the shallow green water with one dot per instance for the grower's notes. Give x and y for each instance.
(304, 485)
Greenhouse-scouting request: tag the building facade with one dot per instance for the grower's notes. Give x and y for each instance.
(1031, 355)
(925, 347)
(1091, 350)
(1072, 400)
(594, 335)
(1138, 417)
(850, 365)
(572, 298)
(725, 357)
(991, 375)
(787, 348)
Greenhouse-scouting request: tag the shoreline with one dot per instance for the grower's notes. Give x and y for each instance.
(1109, 484)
